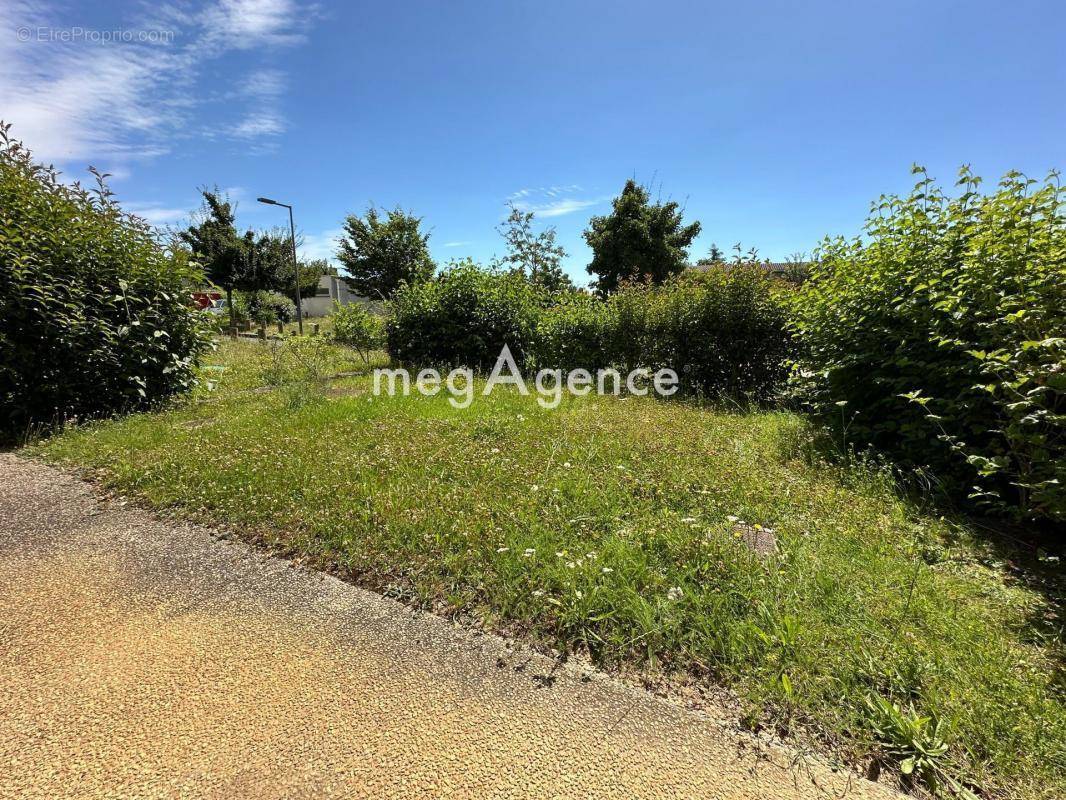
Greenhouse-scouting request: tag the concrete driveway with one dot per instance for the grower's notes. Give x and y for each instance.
(144, 658)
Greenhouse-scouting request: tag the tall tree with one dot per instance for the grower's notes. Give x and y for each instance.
(714, 256)
(638, 240)
(536, 256)
(381, 253)
(216, 246)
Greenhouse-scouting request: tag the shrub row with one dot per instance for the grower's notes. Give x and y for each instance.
(724, 332)
(263, 307)
(463, 317)
(94, 314)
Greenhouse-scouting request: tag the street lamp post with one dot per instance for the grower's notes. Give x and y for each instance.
(295, 264)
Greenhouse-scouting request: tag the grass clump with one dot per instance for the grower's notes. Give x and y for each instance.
(610, 525)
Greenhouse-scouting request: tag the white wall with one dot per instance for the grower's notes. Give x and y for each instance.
(331, 289)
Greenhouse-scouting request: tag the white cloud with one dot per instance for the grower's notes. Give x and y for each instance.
(320, 245)
(552, 201)
(259, 124)
(157, 215)
(456, 244)
(244, 24)
(558, 208)
(264, 83)
(82, 99)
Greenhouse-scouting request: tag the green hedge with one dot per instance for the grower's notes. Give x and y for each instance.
(940, 339)
(263, 307)
(724, 331)
(463, 317)
(95, 316)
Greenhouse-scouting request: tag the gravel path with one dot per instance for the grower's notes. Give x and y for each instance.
(144, 658)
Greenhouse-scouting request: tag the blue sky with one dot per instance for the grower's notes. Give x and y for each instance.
(772, 123)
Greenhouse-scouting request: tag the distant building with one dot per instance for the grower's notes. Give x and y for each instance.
(331, 289)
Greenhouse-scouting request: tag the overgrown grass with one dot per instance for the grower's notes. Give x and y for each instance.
(609, 524)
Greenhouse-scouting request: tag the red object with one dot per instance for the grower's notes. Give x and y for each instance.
(204, 300)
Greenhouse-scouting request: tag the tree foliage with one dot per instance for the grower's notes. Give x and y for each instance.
(714, 256)
(639, 241)
(216, 246)
(95, 315)
(941, 338)
(382, 253)
(536, 256)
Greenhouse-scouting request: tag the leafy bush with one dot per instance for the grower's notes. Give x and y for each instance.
(940, 340)
(573, 334)
(723, 330)
(463, 317)
(264, 307)
(94, 315)
(357, 328)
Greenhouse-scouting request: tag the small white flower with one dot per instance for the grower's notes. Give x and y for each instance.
(579, 594)
(606, 570)
(495, 450)
(534, 488)
(674, 594)
(688, 519)
(538, 592)
(559, 554)
(566, 465)
(502, 549)
(733, 519)
(529, 551)
(570, 564)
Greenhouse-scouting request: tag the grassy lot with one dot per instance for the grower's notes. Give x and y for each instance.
(608, 524)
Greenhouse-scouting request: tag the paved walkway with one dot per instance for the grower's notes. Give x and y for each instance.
(143, 658)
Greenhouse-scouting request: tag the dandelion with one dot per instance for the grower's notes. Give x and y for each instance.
(674, 594)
